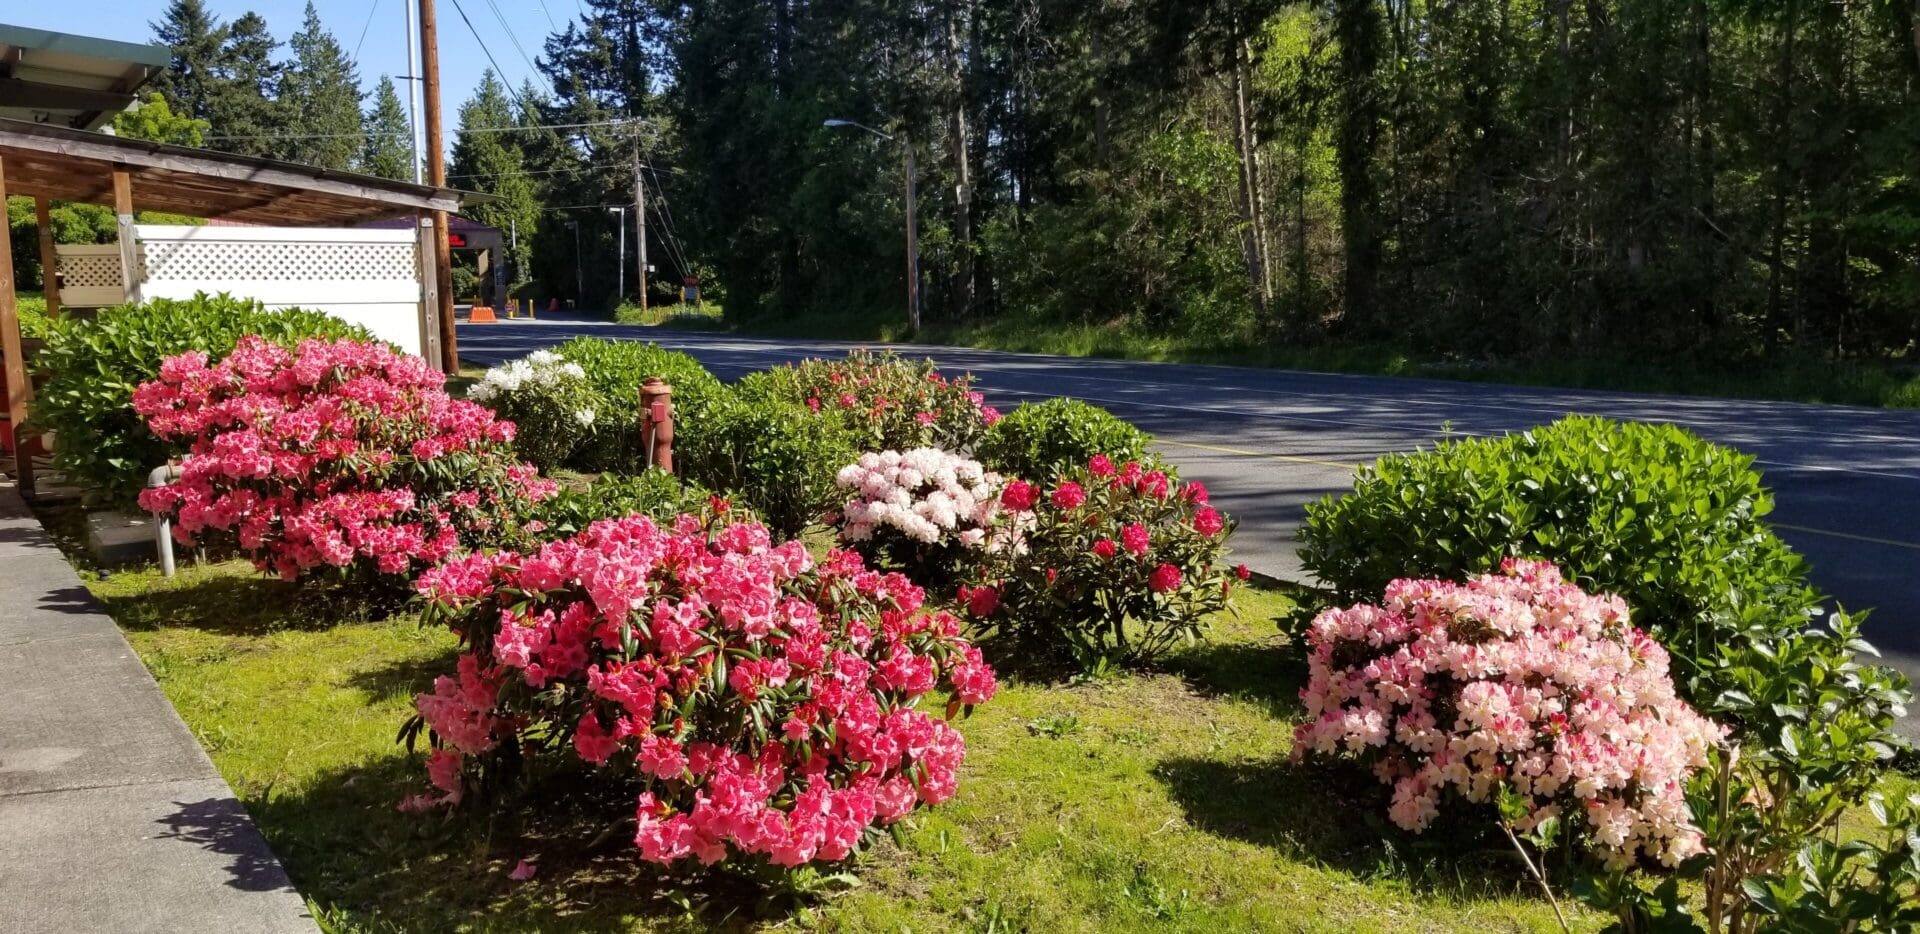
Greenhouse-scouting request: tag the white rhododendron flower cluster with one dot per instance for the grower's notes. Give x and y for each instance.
(928, 495)
(538, 370)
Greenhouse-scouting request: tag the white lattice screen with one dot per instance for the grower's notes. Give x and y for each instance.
(90, 275)
(368, 277)
(278, 261)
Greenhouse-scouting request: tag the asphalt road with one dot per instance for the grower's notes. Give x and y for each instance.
(1266, 442)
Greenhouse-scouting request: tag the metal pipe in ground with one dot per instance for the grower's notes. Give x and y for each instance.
(163, 527)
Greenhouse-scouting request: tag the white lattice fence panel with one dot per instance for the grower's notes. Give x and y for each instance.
(368, 277)
(89, 275)
(279, 262)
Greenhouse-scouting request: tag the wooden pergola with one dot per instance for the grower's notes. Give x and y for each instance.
(54, 163)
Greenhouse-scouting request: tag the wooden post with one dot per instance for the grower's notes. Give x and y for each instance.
(437, 177)
(129, 248)
(429, 293)
(656, 422)
(49, 258)
(19, 387)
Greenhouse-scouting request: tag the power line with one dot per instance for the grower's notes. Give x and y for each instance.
(375, 8)
(502, 72)
(513, 38)
(478, 129)
(550, 23)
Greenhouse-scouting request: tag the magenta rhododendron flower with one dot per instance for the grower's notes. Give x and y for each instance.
(337, 454)
(1069, 495)
(1136, 539)
(1517, 682)
(1208, 522)
(1101, 466)
(1164, 578)
(762, 703)
(1104, 548)
(1020, 496)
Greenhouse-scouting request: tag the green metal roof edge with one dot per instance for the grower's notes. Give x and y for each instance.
(113, 50)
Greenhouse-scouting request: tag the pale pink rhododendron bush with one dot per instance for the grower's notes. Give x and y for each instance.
(343, 454)
(1516, 682)
(758, 703)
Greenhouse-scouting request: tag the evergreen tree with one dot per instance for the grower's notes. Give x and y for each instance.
(244, 114)
(194, 36)
(320, 93)
(389, 152)
(490, 162)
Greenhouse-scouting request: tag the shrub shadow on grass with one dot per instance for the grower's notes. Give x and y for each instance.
(1269, 672)
(369, 866)
(1336, 816)
(242, 604)
(405, 677)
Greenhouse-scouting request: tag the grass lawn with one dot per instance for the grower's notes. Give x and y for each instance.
(1157, 801)
(1801, 379)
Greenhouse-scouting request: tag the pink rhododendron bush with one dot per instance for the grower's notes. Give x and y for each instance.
(889, 403)
(755, 703)
(343, 454)
(1110, 564)
(927, 512)
(1516, 685)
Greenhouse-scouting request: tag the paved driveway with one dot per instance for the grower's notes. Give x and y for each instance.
(1847, 480)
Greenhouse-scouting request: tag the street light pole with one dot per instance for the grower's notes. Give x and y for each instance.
(913, 217)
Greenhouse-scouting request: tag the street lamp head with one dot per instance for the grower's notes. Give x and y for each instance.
(856, 125)
(838, 123)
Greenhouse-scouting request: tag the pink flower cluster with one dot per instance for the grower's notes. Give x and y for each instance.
(336, 454)
(927, 495)
(765, 704)
(1516, 681)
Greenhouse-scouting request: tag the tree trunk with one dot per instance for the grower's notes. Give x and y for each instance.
(1782, 182)
(1357, 26)
(1250, 226)
(962, 155)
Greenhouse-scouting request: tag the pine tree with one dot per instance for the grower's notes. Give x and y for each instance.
(489, 162)
(246, 117)
(194, 36)
(321, 93)
(389, 152)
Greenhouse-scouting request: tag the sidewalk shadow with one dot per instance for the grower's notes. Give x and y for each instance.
(222, 826)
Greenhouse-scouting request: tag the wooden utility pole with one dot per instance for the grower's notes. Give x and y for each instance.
(19, 385)
(437, 177)
(640, 222)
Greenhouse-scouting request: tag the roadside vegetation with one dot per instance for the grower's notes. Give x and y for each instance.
(1784, 377)
(882, 656)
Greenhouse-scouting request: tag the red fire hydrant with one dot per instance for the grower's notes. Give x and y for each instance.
(656, 422)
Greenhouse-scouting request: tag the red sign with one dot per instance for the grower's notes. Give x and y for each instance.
(456, 240)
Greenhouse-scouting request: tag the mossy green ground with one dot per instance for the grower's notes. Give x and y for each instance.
(1150, 801)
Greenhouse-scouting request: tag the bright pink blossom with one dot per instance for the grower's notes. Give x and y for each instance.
(1164, 579)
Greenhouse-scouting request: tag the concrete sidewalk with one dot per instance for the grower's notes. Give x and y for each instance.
(112, 818)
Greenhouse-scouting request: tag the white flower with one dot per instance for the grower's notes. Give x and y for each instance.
(543, 358)
(584, 417)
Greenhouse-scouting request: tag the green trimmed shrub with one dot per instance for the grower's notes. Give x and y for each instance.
(615, 369)
(95, 364)
(1673, 524)
(773, 455)
(1039, 440)
(656, 494)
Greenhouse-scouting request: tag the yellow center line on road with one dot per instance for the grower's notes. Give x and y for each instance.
(1849, 536)
(1243, 452)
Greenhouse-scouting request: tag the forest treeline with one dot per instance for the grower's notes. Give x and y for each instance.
(1482, 177)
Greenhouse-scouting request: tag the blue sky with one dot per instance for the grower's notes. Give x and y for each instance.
(383, 51)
